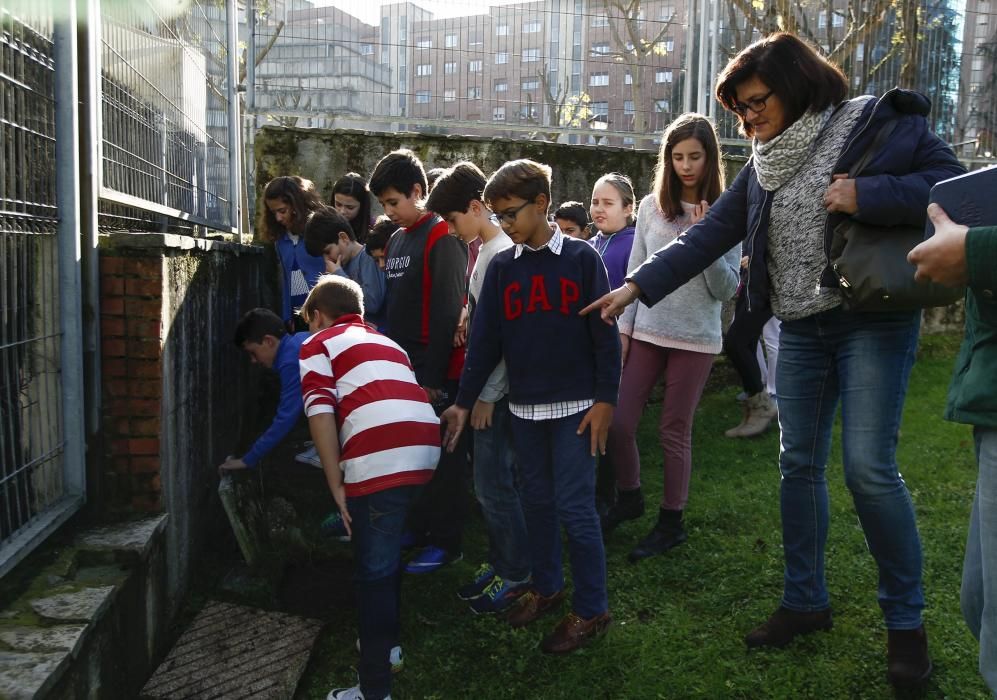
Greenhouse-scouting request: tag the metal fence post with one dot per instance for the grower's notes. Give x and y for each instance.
(234, 122)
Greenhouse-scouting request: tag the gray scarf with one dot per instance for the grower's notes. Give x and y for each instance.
(778, 159)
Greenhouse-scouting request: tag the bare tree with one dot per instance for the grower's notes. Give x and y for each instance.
(633, 47)
(562, 108)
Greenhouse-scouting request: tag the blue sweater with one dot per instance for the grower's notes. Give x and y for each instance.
(291, 406)
(528, 312)
(311, 266)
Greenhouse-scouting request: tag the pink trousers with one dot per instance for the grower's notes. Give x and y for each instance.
(685, 374)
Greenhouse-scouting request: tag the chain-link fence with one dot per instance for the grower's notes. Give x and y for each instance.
(165, 95)
(32, 437)
(597, 71)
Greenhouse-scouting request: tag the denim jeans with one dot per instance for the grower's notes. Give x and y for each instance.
(979, 571)
(495, 484)
(437, 517)
(558, 472)
(864, 360)
(377, 523)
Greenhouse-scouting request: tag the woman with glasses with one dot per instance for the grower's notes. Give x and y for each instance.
(783, 206)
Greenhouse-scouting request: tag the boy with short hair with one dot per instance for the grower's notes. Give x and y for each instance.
(377, 239)
(263, 336)
(329, 234)
(564, 374)
(573, 220)
(425, 268)
(498, 583)
(379, 441)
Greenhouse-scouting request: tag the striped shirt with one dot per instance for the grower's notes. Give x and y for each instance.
(389, 435)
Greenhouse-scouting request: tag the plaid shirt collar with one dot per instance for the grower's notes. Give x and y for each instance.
(555, 244)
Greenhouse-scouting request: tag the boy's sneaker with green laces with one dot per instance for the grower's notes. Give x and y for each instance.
(334, 528)
(498, 596)
(476, 588)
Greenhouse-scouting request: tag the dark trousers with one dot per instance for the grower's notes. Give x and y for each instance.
(741, 343)
(377, 522)
(438, 515)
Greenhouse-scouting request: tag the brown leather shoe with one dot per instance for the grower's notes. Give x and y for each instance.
(908, 663)
(785, 624)
(573, 633)
(531, 606)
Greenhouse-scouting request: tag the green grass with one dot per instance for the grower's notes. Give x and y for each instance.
(680, 618)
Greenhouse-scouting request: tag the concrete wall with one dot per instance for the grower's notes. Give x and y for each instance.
(175, 387)
(323, 156)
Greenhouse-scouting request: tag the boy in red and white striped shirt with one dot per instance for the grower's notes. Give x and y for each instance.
(379, 441)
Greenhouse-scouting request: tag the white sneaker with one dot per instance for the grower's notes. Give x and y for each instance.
(353, 693)
(394, 656)
(309, 456)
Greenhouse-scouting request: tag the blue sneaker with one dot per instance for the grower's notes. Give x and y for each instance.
(498, 596)
(476, 588)
(334, 527)
(430, 559)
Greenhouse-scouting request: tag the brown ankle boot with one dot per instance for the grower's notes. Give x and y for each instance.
(908, 663)
(785, 624)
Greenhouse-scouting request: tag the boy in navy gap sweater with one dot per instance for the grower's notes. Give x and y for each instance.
(564, 374)
(425, 268)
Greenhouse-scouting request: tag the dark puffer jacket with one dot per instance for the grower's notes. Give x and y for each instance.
(893, 189)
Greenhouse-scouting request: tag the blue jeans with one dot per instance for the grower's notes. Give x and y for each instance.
(979, 571)
(558, 472)
(863, 359)
(497, 492)
(377, 522)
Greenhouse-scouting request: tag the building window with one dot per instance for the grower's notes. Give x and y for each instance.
(661, 106)
(628, 79)
(530, 84)
(531, 27)
(663, 76)
(450, 68)
(837, 20)
(599, 20)
(424, 43)
(422, 97)
(449, 95)
(528, 111)
(600, 49)
(366, 49)
(530, 55)
(502, 30)
(474, 66)
(501, 86)
(450, 41)
(424, 69)
(628, 107)
(667, 12)
(474, 93)
(501, 57)
(860, 51)
(666, 46)
(498, 114)
(598, 79)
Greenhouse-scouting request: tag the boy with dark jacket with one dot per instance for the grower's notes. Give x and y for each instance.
(425, 268)
(564, 374)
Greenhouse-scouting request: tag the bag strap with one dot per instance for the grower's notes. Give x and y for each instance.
(874, 148)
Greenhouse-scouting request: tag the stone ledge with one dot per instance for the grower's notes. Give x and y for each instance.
(24, 676)
(130, 541)
(138, 241)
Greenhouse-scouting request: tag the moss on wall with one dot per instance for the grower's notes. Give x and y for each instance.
(324, 155)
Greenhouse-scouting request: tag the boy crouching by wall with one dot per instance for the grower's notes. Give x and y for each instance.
(379, 441)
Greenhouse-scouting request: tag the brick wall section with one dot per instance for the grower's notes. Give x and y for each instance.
(131, 324)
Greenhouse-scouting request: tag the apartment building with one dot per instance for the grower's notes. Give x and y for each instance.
(977, 116)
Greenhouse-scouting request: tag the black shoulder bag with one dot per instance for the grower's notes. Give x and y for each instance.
(871, 261)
